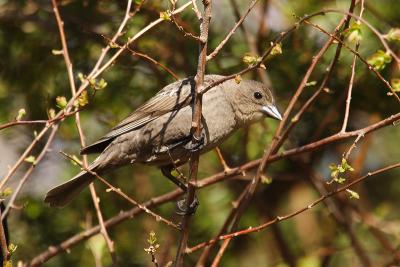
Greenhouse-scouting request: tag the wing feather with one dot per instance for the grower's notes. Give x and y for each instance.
(172, 97)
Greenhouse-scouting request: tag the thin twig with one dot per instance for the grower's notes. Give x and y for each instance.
(13, 123)
(372, 28)
(201, 262)
(233, 30)
(3, 243)
(251, 43)
(290, 215)
(351, 82)
(28, 172)
(68, 63)
(119, 192)
(47, 122)
(370, 67)
(196, 10)
(182, 30)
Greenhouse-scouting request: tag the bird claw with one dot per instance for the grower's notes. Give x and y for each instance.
(196, 144)
(182, 209)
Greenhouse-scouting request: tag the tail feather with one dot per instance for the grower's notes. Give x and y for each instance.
(63, 194)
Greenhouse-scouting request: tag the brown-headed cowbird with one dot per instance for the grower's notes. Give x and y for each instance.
(159, 132)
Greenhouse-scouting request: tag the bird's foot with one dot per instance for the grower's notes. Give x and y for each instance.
(183, 209)
(196, 144)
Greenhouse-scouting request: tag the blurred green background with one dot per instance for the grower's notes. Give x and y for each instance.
(31, 77)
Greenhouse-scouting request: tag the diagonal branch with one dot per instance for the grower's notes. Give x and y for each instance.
(290, 215)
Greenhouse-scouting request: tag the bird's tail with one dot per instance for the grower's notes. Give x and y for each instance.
(63, 194)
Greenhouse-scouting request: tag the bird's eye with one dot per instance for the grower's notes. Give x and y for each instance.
(257, 95)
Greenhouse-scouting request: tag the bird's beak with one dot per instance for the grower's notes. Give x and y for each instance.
(272, 112)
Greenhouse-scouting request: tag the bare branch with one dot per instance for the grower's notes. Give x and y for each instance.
(288, 216)
(196, 130)
(68, 63)
(225, 40)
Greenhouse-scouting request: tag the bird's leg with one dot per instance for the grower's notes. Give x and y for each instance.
(188, 142)
(181, 204)
(195, 144)
(166, 171)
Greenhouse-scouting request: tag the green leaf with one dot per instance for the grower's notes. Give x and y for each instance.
(276, 50)
(101, 84)
(113, 45)
(83, 99)
(92, 82)
(21, 113)
(395, 83)
(166, 15)
(61, 102)
(312, 83)
(393, 35)
(346, 166)
(6, 192)
(152, 238)
(353, 194)
(57, 52)
(354, 33)
(12, 248)
(251, 60)
(153, 246)
(81, 77)
(31, 159)
(51, 113)
(379, 59)
(266, 179)
(340, 180)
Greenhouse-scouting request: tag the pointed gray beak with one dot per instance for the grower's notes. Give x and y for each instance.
(272, 112)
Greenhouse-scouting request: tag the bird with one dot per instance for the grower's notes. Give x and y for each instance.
(159, 131)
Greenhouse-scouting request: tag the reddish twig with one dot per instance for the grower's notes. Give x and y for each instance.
(196, 130)
(68, 63)
(288, 216)
(13, 123)
(3, 243)
(350, 88)
(251, 42)
(372, 28)
(370, 67)
(47, 122)
(119, 192)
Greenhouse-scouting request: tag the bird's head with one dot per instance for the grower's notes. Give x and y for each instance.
(252, 101)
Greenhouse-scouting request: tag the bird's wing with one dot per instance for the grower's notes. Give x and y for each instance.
(172, 97)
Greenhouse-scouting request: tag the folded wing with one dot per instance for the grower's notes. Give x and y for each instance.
(171, 97)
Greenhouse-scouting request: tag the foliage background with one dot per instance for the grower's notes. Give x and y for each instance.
(31, 77)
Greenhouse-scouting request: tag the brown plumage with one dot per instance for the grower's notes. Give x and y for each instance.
(159, 131)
